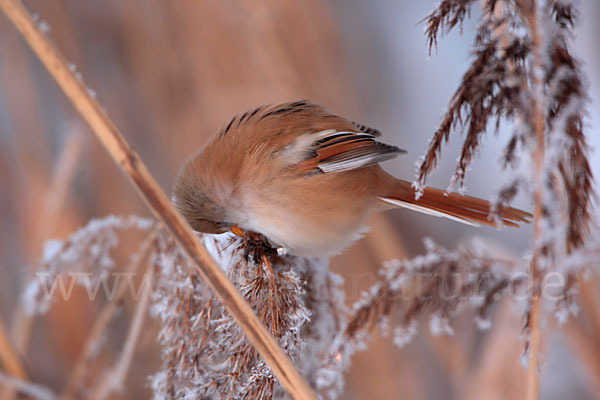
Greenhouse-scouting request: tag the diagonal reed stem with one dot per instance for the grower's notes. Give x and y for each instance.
(538, 125)
(157, 200)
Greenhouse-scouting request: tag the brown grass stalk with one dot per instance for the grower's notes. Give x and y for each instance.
(384, 240)
(9, 357)
(583, 333)
(95, 336)
(64, 174)
(114, 377)
(584, 345)
(535, 347)
(25, 388)
(535, 340)
(158, 201)
(49, 218)
(590, 303)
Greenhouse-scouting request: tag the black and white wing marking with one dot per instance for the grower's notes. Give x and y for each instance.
(335, 151)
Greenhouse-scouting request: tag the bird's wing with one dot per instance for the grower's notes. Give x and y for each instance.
(320, 142)
(336, 151)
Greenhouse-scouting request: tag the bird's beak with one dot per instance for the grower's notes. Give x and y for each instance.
(237, 231)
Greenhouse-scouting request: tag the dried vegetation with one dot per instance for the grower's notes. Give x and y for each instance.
(522, 72)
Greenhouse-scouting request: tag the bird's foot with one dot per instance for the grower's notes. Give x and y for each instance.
(256, 247)
(258, 250)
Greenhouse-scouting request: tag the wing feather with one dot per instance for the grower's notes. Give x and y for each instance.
(335, 151)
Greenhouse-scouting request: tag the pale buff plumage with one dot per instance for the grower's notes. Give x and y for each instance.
(304, 178)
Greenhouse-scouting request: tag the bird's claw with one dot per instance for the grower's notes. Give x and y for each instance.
(256, 246)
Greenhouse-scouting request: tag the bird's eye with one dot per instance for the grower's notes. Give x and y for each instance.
(207, 226)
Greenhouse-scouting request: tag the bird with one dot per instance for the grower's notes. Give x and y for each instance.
(307, 180)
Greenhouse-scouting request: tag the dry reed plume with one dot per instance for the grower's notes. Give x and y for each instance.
(522, 73)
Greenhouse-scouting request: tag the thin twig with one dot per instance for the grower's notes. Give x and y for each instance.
(584, 346)
(538, 124)
(92, 342)
(114, 378)
(159, 202)
(50, 214)
(9, 357)
(583, 333)
(49, 218)
(384, 240)
(26, 388)
(63, 176)
(535, 344)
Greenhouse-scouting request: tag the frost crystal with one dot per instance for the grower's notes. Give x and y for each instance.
(84, 253)
(205, 353)
(483, 323)
(439, 325)
(441, 283)
(404, 335)
(44, 27)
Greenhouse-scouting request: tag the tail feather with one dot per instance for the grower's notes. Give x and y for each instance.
(466, 209)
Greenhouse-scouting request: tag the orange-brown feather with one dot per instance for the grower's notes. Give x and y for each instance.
(465, 207)
(339, 148)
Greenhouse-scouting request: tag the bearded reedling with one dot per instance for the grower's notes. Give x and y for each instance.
(307, 180)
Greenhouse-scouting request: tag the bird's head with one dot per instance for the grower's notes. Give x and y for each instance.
(198, 201)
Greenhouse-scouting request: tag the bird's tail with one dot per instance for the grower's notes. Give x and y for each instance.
(466, 209)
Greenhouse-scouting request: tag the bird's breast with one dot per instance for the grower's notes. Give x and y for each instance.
(303, 223)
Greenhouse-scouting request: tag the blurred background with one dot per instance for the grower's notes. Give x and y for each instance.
(169, 73)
